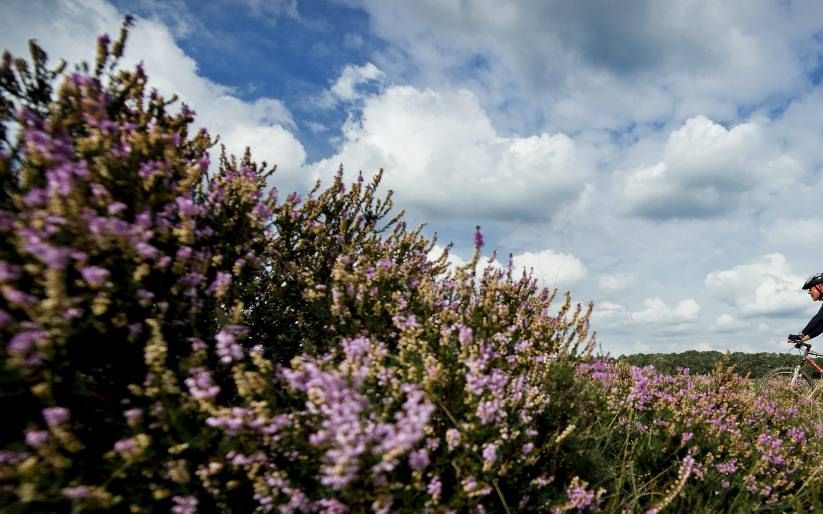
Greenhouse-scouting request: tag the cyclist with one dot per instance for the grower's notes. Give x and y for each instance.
(815, 326)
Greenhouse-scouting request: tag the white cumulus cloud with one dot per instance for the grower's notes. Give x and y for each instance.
(728, 323)
(616, 281)
(444, 158)
(551, 269)
(765, 287)
(795, 233)
(584, 67)
(704, 170)
(345, 88)
(656, 311)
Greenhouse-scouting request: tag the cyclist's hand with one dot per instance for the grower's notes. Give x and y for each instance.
(795, 338)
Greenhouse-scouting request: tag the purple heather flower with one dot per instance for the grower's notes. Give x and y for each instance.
(125, 445)
(95, 276)
(142, 225)
(184, 505)
(232, 423)
(146, 250)
(133, 415)
(77, 492)
(266, 502)
(36, 197)
(452, 438)
(18, 297)
(435, 488)
(52, 256)
(472, 487)
(187, 206)
(262, 211)
(419, 459)
(465, 335)
(115, 208)
(204, 232)
(145, 296)
(8, 271)
(797, 434)
(24, 342)
(56, 416)
(478, 238)
(490, 410)
(489, 454)
(221, 282)
(192, 279)
(134, 330)
(227, 348)
(5, 319)
(98, 192)
(60, 180)
(579, 497)
(7, 220)
(330, 506)
(406, 323)
(543, 480)
(37, 438)
(385, 264)
(411, 422)
(200, 384)
(12, 458)
(184, 253)
(197, 344)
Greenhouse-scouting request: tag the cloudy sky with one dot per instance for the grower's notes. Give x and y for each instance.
(663, 159)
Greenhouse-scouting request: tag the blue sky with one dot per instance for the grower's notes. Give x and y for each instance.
(660, 158)
(304, 49)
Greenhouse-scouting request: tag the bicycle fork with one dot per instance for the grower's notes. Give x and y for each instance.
(796, 374)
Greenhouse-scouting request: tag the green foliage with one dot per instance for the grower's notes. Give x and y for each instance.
(756, 365)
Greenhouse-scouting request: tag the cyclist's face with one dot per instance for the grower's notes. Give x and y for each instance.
(815, 292)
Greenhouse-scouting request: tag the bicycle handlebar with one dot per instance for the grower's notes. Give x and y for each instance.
(800, 345)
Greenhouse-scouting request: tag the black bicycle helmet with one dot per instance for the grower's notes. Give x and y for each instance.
(812, 281)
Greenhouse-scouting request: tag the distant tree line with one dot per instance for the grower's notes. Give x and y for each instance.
(701, 363)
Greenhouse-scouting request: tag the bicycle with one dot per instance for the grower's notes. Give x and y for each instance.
(796, 379)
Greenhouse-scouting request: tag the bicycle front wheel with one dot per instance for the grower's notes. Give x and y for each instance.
(784, 380)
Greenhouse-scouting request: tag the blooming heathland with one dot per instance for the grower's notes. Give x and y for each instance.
(178, 337)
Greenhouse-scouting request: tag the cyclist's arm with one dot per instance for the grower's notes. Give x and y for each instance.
(815, 326)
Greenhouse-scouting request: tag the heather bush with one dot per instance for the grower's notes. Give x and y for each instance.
(185, 341)
(178, 337)
(125, 269)
(704, 443)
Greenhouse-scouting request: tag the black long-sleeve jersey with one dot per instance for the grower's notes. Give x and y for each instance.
(815, 326)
